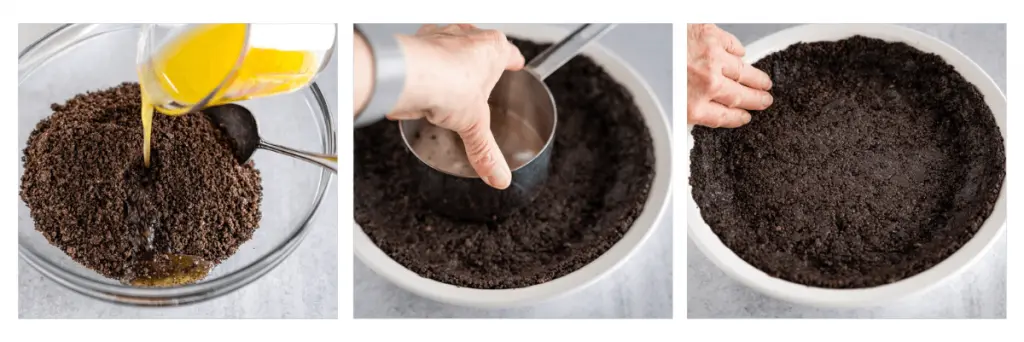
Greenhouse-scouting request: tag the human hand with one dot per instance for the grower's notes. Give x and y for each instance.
(451, 72)
(720, 87)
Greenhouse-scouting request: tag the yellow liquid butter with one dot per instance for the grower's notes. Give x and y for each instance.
(212, 64)
(147, 127)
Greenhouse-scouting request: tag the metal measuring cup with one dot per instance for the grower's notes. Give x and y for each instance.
(523, 120)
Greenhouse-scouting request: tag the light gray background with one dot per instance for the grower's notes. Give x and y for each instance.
(642, 288)
(305, 285)
(978, 293)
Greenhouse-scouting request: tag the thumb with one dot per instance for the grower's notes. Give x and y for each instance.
(483, 152)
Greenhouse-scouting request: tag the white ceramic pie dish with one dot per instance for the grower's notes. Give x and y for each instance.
(990, 231)
(641, 230)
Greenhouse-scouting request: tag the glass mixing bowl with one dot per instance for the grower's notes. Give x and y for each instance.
(83, 57)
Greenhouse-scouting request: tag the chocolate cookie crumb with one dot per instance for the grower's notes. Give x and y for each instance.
(602, 167)
(876, 162)
(90, 195)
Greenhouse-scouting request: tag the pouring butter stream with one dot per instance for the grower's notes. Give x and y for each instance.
(204, 65)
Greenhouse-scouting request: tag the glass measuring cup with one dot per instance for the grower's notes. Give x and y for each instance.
(187, 67)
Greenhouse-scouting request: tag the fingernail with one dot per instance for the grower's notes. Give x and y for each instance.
(499, 179)
(746, 118)
(766, 100)
(770, 84)
(494, 183)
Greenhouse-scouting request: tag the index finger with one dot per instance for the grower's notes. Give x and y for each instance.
(754, 78)
(515, 59)
(746, 74)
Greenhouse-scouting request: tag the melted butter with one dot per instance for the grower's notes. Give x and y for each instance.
(147, 126)
(164, 270)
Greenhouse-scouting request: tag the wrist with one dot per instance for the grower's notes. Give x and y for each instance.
(388, 69)
(416, 95)
(363, 75)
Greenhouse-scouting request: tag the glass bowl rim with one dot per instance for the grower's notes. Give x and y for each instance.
(187, 294)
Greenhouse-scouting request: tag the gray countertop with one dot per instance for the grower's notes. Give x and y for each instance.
(978, 293)
(305, 285)
(641, 288)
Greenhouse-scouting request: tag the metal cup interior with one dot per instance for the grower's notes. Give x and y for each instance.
(523, 121)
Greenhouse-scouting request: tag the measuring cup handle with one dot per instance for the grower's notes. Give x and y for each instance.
(327, 161)
(555, 56)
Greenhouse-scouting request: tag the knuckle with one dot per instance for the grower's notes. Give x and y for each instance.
(477, 149)
(495, 39)
(704, 29)
(727, 59)
(440, 120)
(764, 99)
(740, 67)
(713, 122)
(451, 28)
(734, 100)
(715, 64)
(723, 118)
(488, 36)
(482, 160)
(728, 44)
(754, 95)
(495, 35)
(715, 84)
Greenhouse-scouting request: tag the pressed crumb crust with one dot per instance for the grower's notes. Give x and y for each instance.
(876, 162)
